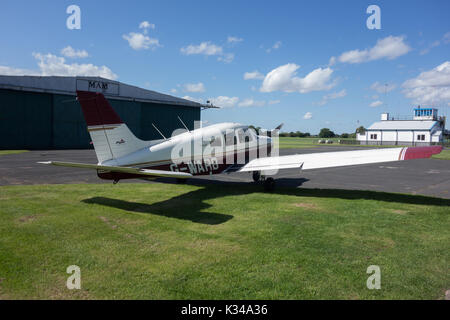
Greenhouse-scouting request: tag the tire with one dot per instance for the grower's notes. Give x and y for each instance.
(269, 185)
(256, 176)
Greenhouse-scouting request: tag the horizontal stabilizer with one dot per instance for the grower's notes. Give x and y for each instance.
(138, 171)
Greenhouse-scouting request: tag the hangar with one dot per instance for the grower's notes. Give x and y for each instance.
(42, 112)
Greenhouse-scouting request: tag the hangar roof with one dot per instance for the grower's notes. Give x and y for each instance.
(403, 125)
(110, 88)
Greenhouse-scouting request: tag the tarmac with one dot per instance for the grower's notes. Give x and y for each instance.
(430, 177)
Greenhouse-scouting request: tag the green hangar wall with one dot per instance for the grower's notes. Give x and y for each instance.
(40, 120)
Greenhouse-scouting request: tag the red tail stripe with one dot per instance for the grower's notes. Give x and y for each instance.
(96, 109)
(421, 152)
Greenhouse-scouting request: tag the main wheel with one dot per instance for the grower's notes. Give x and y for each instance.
(256, 176)
(269, 184)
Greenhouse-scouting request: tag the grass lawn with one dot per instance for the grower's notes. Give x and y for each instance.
(298, 143)
(3, 152)
(444, 155)
(168, 241)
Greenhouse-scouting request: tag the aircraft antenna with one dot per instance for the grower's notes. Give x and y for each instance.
(183, 124)
(159, 131)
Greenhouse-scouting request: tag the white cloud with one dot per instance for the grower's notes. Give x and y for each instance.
(430, 87)
(70, 52)
(193, 99)
(388, 48)
(146, 25)
(205, 48)
(51, 65)
(332, 96)
(194, 87)
(274, 102)
(231, 39)
(9, 71)
(253, 75)
(376, 103)
(208, 49)
(332, 61)
(284, 79)
(307, 116)
(382, 88)
(226, 57)
(276, 46)
(173, 90)
(446, 38)
(224, 101)
(139, 41)
(251, 103)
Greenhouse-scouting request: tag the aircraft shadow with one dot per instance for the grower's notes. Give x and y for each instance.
(180, 207)
(191, 205)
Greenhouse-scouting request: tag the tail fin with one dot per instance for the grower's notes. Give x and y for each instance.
(111, 137)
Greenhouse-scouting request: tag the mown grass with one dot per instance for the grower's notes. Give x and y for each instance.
(232, 241)
(444, 155)
(3, 152)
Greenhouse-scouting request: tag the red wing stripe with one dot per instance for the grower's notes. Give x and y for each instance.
(421, 152)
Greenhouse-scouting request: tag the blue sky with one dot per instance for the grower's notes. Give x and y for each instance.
(203, 50)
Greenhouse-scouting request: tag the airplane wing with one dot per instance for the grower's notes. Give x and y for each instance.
(147, 172)
(339, 159)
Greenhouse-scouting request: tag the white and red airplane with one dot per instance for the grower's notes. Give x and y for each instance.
(215, 149)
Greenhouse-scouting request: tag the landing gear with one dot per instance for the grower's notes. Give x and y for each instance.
(116, 181)
(269, 184)
(256, 176)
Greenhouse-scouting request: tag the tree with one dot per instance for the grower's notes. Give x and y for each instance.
(326, 133)
(361, 130)
(344, 135)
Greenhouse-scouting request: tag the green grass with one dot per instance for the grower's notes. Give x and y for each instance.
(3, 152)
(299, 143)
(164, 241)
(444, 155)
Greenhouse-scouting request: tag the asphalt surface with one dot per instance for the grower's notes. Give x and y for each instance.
(422, 176)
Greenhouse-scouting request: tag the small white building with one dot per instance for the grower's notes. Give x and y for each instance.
(424, 128)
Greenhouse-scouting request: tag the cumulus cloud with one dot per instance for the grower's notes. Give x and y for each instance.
(284, 78)
(208, 49)
(224, 101)
(205, 48)
(307, 116)
(274, 102)
(231, 39)
(70, 52)
(388, 48)
(276, 46)
(431, 86)
(332, 96)
(52, 65)
(146, 25)
(140, 41)
(194, 87)
(193, 99)
(251, 103)
(382, 88)
(253, 75)
(376, 103)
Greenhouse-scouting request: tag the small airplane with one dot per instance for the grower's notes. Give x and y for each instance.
(215, 149)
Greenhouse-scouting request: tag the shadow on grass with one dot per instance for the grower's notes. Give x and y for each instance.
(191, 205)
(180, 207)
